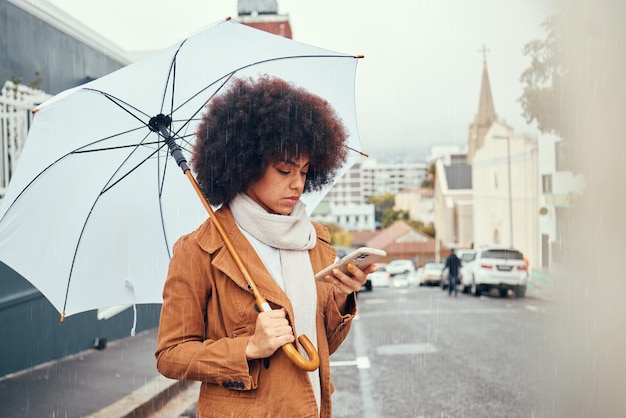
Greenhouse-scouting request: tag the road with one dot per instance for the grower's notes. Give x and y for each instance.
(416, 352)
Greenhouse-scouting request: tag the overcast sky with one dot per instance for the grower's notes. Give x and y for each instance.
(419, 83)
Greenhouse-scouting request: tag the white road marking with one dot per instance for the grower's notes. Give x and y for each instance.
(360, 363)
(365, 379)
(399, 349)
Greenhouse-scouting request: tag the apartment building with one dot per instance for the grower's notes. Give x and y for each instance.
(346, 203)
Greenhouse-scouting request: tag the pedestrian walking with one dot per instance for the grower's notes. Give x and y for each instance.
(453, 265)
(259, 147)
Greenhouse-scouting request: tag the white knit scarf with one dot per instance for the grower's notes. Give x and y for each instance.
(293, 236)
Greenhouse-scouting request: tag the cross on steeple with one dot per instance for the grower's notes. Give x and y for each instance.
(484, 50)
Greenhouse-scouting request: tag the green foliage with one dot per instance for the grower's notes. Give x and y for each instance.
(35, 84)
(431, 175)
(543, 93)
(341, 239)
(427, 184)
(338, 236)
(429, 230)
(388, 218)
(381, 204)
(386, 215)
(418, 225)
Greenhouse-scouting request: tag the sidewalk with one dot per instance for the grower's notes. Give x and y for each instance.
(542, 285)
(118, 381)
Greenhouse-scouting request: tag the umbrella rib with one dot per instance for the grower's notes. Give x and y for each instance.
(229, 75)
(129, 172)
(118, 102)
(226, 78)
(80, 150)
(95, 202)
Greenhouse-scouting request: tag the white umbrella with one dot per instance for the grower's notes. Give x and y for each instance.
(95, 204)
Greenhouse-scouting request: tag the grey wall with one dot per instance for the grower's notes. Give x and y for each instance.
(30, 331)
(28, 44)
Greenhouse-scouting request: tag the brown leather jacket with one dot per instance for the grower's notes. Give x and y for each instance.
(208, 315)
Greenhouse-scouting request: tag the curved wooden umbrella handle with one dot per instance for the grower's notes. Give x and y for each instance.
(298, 359)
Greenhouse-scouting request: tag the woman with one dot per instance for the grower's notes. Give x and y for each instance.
(259, 146)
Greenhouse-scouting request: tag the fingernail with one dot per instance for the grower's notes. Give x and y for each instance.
(328, 278)
(351, 267)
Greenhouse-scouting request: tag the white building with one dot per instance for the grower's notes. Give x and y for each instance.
(350, 217)
(419, 203)
(453, 202)
(369, 178)
(346, 203)
(381, 178)
(558, 185)
(505, 177)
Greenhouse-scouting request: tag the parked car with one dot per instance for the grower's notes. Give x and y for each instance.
(431, 274)
(381, 277)
(467, 257)
(400, 266)
(501, 268)
(413, 278)
(400, 280)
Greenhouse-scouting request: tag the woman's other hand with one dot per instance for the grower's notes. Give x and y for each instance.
(346, 284)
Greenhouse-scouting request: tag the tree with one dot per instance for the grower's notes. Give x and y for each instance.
(543, 80)
(420, 226)
(390, 216)
(431, 176)
(338, 236)
(34, 84)
(381, 204)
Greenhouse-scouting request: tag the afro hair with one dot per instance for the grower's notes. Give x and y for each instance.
(256, 123)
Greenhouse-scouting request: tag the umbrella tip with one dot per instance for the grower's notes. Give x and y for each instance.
(62, 317)
(357, 151)
(359, 56)
(228, 18)
(35, 110)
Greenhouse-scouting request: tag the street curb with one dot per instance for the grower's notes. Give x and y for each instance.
(143, 401)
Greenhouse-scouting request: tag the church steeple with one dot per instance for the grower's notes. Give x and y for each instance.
(486, 114)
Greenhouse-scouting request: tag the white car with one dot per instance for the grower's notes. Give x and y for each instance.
(400, 280)
(413, 278)
(465, 274)
(400, 266)
(380, 278)
(431, 275)
(501, 268)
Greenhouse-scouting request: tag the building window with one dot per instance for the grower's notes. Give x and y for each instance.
(546, 183)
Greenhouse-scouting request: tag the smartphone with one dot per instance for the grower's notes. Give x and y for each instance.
(361, 258)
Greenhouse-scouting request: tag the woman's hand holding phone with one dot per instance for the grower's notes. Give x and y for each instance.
(350, 273)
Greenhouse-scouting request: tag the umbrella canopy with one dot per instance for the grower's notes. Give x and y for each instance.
(95, 205)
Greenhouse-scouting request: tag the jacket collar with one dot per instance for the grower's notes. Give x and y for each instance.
(210, 240)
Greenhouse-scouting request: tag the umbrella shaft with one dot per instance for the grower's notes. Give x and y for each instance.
(177, 153)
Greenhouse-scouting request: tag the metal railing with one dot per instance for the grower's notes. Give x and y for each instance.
(16, 104)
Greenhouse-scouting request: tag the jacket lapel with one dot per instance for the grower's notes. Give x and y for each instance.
(210, 240)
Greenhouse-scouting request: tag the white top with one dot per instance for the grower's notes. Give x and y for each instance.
(270, 257)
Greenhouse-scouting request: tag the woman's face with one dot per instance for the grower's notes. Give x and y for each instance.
(281, 186)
